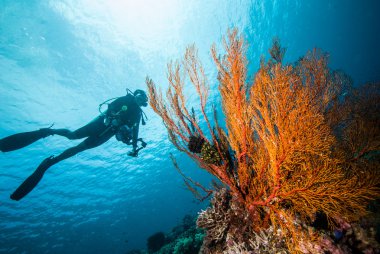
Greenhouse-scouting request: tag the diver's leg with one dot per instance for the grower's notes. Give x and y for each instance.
(20, 140)
(32, 181)
(88, 143)
(90, 129)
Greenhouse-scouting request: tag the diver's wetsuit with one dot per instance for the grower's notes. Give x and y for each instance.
(123, 112)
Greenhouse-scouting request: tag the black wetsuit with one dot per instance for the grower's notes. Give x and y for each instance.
(122, 118)
(129, 114)
(123, 110)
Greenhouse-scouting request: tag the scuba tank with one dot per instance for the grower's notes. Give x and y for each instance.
(107, 121)
(109, 101)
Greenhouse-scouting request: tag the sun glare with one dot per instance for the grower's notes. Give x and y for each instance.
(143, 24)
(144, 21)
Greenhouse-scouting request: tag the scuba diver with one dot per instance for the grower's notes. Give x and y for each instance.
(121, 119)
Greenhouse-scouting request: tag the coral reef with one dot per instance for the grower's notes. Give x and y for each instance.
(156, 241)
(229, 231)
(185, 238)
(299, 140)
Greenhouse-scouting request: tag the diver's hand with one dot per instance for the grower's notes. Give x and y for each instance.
(133, 153)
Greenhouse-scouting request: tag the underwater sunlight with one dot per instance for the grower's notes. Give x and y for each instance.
(175, 126)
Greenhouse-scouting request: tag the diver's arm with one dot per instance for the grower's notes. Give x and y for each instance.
(135, 133)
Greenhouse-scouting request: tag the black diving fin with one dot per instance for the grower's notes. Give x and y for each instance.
(32, 181)
(20, 140)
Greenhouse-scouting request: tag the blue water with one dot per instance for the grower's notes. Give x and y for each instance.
(60, 59)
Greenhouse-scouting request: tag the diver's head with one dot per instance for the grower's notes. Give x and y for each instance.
(141, 98)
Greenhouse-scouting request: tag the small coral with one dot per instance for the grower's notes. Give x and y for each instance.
(229, 229)
(183, 245)
(183, 239)
(195, 144)
(210, 154)
(216, 218)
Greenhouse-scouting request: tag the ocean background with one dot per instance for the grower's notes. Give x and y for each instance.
(60, 59)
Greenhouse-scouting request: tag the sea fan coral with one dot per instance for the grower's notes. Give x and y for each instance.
(297, 140)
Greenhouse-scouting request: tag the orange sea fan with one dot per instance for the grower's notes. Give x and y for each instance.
(297, 140)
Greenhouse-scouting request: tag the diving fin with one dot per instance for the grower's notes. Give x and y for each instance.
(21, 140)
(32, 181)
